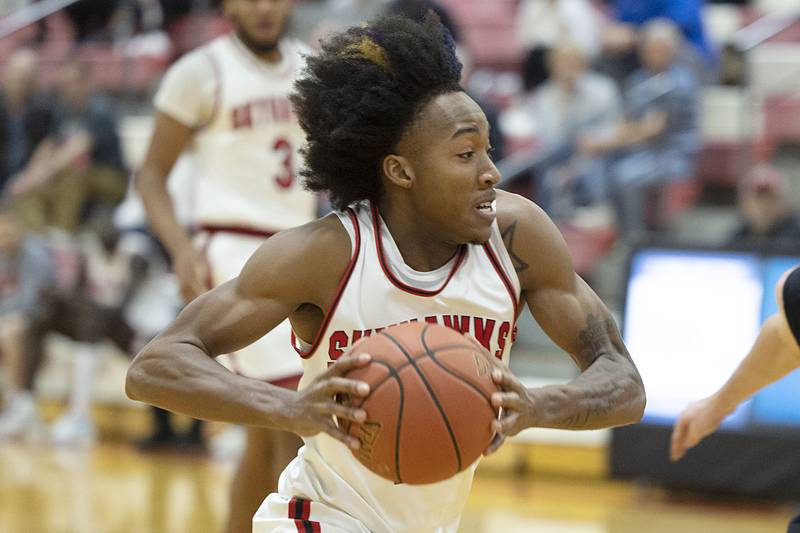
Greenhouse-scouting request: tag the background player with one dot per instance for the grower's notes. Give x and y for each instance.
(774, 354)
(393, 135)
(227, 104)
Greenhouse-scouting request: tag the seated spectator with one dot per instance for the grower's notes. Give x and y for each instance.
(80, 169)
(92, 19)
(26, 275)
(157, 301)
(542, 24)
(91, 311)
(28, 122)
(766, 217)
(573, 104)
(618, 58)
(658, 141)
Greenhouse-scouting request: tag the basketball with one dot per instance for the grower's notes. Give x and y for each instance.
(429, 411)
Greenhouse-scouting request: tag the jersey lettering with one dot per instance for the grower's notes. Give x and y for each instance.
(483, 329)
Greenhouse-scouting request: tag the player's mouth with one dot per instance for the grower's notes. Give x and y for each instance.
(487, 210)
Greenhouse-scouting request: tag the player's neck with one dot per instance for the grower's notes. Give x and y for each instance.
(421, 249)
(267, 55)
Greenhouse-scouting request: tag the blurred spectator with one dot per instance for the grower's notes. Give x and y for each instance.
(157, 301)
(417, 9)
(685, 14)
(542, 24)
(25, 277)
(766, 217)
(90, 312)
(574, 103)
(619, 57)
(81, 168)
(659, 139)
(91, 19)
(27, 122)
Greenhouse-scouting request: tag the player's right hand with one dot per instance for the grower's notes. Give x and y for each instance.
(314, 406)
(695, 423)
(193, 273)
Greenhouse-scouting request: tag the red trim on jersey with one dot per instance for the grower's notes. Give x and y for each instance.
(237, 230)
(503, 277)
(339, 290)
(462, 253)
(217, 91)
(300, 512)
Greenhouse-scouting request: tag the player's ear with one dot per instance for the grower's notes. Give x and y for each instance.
(398, 171)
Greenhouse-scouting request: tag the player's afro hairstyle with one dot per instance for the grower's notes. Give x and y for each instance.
(358, 96)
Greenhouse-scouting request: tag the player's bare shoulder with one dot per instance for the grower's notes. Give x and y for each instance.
(304, 263)
(533, 241)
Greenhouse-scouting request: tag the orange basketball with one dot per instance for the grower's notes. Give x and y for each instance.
(429, 411)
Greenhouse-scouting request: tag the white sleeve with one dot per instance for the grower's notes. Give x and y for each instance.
(188, 91)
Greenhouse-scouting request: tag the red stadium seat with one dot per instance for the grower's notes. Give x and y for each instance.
(782, 119)
(721, 164)
(587, 246)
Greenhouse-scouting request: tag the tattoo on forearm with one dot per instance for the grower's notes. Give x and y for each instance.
(600, 336)
(581, 420)
(603, 394)
(508, 239)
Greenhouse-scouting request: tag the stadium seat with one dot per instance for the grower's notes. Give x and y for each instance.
(721, 164)
(587, 246)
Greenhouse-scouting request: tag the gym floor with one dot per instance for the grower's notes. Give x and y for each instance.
(113, 488)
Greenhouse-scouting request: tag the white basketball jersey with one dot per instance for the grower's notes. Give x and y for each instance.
(477, 292)
(246, 158)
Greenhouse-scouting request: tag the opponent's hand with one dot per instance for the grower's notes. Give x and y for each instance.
(514, 403)
(696, 422)
(193, 273)
(314, 407)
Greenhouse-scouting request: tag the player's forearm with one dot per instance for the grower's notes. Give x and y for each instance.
(181, 377)
(152, 188)
(770, 359)
(609, 393)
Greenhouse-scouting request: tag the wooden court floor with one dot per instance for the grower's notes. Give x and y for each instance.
(114, 489)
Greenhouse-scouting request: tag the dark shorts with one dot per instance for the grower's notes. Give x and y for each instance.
(791, 302)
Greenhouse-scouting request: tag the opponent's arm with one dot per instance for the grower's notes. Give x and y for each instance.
(609, 390)
(177, 370)
(774, 354)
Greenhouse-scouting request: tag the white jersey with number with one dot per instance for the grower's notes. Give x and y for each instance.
(477, 292)
(245, 149)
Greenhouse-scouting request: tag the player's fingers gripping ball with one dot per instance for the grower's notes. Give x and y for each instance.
(429, 411)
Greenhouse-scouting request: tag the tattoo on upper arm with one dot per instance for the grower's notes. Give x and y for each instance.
(600, 336)
(508, 239)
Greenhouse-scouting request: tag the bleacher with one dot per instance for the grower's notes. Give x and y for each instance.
(739, 124)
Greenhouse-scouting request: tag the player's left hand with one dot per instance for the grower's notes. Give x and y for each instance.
(696, 422)
(514, 403)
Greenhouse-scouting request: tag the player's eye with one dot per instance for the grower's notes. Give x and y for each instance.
(466, 155)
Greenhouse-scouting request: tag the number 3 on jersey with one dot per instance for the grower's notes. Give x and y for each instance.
(285, 177)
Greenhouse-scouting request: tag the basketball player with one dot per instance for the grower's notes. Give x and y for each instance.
(227, 105)
(420, 234)
(774, 354)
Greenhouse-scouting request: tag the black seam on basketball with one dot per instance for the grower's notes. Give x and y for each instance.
(432, 355)
(415, 357)
(393, 374)
(432, 395)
